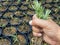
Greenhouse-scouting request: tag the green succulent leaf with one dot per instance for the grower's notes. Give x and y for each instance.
(19, 1)
(15, 39)
(40, 11)
(47, 14)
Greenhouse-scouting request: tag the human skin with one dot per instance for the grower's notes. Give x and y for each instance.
(51, 31)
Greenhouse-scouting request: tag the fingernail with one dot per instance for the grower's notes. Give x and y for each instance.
(30, 22)
(39, 34)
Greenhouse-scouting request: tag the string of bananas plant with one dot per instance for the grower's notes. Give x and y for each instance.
(41, 13)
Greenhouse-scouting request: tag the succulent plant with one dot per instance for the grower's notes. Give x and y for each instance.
(40, 11)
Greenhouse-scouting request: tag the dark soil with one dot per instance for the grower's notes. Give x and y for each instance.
(21, 40)
(15, 21)
(9, 31)
(26, 18)
(12, 8)
(15, 3)
(3, 22)
(25, 3)
(29, 12)
(18, 13)
(24, 28)
(8, 15)
(2, 8)
(23, 7)
(4, 41)
(6, 3)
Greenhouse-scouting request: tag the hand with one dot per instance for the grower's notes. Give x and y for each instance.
(50, 29)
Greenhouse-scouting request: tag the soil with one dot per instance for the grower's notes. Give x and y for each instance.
(3, 22)
(27, 18)
(9, 31)
(29, 12)
(18, 13)
(23, 28)
(25, 3)
(15, 3)
(8, 15)
(2, 8)
(22, 40)
(4, 41)
(23, 7)
(15, 21)
(56, 10)
(47, 5)
(13, 8)
(6, 3)
(55, 5)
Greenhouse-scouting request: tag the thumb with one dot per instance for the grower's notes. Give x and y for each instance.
(38, 22)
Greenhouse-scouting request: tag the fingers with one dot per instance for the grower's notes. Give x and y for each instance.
(37, 34)
(41, 22)
(38, 22)
(36, 29)
(49, 40)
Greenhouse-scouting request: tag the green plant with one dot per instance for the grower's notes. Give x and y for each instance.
(7, 0)
(15, 38)
(0, 5)
(45, 44)
(40, 11)
(19, 1)
(27, 0)
(2, 25)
